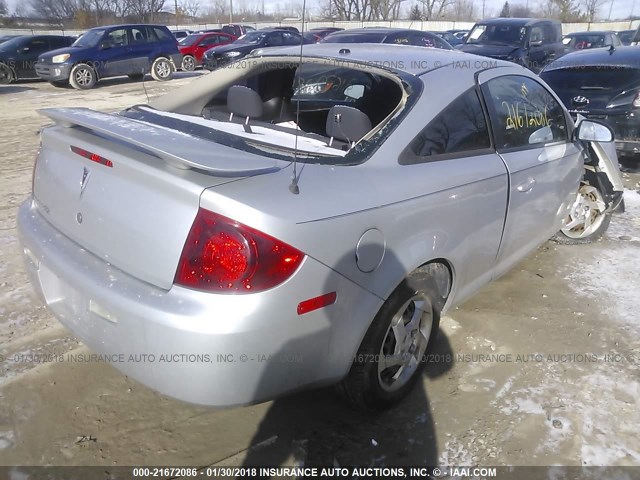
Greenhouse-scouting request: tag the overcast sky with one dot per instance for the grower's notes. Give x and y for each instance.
(621, 8)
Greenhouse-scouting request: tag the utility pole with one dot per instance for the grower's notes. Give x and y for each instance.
(176, 6)
(610, 8)
(484, 3)
(231, 11)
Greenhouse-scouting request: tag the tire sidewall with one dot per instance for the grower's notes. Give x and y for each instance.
(562, 238)
(193, 63)
(8, 74)
(155, 74)
(375, 397)
(75, 84)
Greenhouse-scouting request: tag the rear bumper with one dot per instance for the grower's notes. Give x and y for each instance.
(218, 350)
(53, 72)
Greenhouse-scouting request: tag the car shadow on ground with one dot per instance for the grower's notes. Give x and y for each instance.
(317, 428)
(4, 89)
(106, 82)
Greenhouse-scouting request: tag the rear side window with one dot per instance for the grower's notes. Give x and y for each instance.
(138, 35)
(523, 113)
(162, 34)
(460, 128)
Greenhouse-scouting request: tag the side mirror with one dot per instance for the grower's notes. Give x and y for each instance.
(354, 91)
(593, 131)
(535, 43)
(23, 50)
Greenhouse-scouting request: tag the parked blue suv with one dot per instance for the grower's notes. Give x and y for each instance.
(112, 51)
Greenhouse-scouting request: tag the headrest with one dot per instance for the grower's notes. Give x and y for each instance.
(347, 123)
(244, 102)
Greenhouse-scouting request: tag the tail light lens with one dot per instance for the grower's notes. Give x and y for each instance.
(222, 255)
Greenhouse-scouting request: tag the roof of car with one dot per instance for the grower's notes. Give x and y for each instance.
(365, 30)
(129, 25)
(590, 32)
(515, 21)
(406, 58)
(628, 57)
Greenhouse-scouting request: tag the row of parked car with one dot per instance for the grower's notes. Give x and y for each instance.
(572, 65)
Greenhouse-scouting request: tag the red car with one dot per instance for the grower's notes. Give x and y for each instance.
(193, 47)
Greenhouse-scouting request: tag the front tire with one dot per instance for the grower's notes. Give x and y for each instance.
(588, 218)
(83, 76)
(188, 63)
(6, 75)
(162, 69)
(391, 356)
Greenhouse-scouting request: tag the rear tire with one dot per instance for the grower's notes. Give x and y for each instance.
(189, 63)
(162, 69)
(391, 356)
(588, 219)
(83, 76)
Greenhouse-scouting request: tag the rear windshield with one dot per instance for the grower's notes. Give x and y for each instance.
(356, 38)
(511, 35)
(584, 41)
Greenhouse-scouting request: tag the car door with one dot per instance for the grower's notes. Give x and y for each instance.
(140, 49)
(532, 136)
(536, 50)
(114, 54)
(205, 44)
(27, 56)
(466, 187)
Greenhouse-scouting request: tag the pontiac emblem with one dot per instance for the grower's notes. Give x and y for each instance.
(580, 101)
(85, 180)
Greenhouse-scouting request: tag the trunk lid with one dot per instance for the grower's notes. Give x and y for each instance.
(128, 192)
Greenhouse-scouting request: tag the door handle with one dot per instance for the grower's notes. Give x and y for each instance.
(526, 186)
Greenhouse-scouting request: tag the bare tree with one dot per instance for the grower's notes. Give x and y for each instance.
(145, 10)
(218, 11)
(462, 10)
(521, 11)
(386, 9)
(591, 8)
(190, 7)
(569, 11)
(435, 9)
(3, 8)
(54, 9)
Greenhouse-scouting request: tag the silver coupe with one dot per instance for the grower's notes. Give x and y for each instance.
(300, 218)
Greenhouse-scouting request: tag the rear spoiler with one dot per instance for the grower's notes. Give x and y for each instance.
(176, 148)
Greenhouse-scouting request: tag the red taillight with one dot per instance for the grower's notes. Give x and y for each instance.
(222, 255)
(92, 156)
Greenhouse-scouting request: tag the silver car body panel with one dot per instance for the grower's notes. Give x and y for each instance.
(362, 227)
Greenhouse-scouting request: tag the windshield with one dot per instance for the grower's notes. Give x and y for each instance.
(190, 40)
(12, 44)
(251, 38)
(356, 38)
(89, 39)
(512, 35)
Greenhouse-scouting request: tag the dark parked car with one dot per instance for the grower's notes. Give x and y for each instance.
(584, 40)
(18, 55)
(603, 85)
(626, 36)
(180, 34)
(528, 41)
(193, 47)
(314, 35)
(450, 38)
(275, 37)
(396, 36)
(112, 51)
(4, 38)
